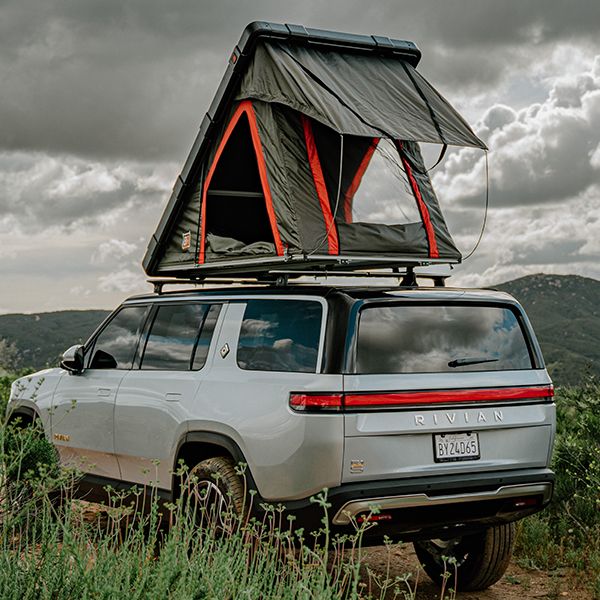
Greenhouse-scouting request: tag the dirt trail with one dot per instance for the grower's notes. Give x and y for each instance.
(518, 583)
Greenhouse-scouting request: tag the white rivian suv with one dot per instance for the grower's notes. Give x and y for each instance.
(431, 403)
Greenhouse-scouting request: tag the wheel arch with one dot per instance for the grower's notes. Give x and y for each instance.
(27, 415)
(196, 446)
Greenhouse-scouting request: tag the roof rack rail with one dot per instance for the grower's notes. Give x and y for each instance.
(406, 277)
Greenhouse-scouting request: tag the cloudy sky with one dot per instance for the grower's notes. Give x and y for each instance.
(101, 101)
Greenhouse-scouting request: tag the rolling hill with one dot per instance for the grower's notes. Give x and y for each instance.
(40, 339)
(565, 313)
(564, 310)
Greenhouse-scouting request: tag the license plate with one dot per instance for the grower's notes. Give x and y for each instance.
(448, 447)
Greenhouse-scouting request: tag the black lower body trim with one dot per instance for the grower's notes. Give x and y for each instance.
(426, 522)
(411, 523)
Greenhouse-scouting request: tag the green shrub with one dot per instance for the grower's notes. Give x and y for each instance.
(567, 533)
(5, 383)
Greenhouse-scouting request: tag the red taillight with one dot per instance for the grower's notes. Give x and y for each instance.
(447, 396)
(316, 401)
(374, 518)
(355, 401)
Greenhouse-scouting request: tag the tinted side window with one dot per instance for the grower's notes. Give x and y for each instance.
(173, 336)
(280, 335)
(115, 346)
(433, 338)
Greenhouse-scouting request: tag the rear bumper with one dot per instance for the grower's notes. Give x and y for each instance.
(427, 507)
(523, 493)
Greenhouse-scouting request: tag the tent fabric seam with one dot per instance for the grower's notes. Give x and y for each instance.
(427, 104)
(423, 210)
(320, 187)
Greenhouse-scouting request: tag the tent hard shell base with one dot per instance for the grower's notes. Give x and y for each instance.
(262, 266)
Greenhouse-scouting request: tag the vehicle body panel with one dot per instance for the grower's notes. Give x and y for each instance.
(83, 420)
(34, 393)
(288, 455)
(151, 414)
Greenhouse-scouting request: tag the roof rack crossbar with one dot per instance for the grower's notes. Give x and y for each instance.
(406, 278)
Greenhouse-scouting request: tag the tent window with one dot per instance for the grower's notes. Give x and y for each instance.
(235, 203)
(384, 194)
(374, 187)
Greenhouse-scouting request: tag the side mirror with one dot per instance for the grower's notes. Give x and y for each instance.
(72, 359)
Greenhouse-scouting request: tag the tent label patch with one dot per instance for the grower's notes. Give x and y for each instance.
(186, 241)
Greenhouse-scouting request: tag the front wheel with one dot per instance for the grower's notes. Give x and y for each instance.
(476, 562)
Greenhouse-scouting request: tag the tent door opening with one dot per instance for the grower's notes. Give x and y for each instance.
(236, 200)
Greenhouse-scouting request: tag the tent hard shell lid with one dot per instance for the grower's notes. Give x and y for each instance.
(272, 179)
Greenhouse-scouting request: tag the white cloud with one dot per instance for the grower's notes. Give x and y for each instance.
(79, 291)
(112, 250)
(38, 191)
(124, 280)
(544, 153)
(523, 240)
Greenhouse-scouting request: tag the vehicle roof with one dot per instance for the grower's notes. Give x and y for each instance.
(352, 292)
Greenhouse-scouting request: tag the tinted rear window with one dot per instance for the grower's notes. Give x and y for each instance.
(280, 335)
(433, 339)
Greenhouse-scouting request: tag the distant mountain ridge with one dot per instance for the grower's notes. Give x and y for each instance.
(42, 338)
(564, 311)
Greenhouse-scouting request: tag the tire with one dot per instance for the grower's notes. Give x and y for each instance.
(216, 493)
(481, 558)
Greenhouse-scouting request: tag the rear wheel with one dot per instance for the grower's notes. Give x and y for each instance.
(477, 561)
(216, 493)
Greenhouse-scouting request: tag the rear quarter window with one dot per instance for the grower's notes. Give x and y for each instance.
(426, 338)
(280, 335)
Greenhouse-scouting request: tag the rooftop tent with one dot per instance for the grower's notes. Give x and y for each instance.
(303, 120)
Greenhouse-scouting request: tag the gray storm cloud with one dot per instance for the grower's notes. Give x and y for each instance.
(133, 79)
(101, 101)
(38, 191)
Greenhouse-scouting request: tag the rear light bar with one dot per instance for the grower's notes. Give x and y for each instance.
(313, 402)
(356, 401)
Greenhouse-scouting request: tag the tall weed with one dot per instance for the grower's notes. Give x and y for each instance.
(567, 533)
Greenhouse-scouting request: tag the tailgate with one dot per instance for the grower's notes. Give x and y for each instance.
(388, 442)
(444, 387)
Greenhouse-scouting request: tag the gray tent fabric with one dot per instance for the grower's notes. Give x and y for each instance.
(176, 252)
(292, 175)
(443, 238)
(219, 247)
(277, 178)
(299, 212)
(355, 94)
